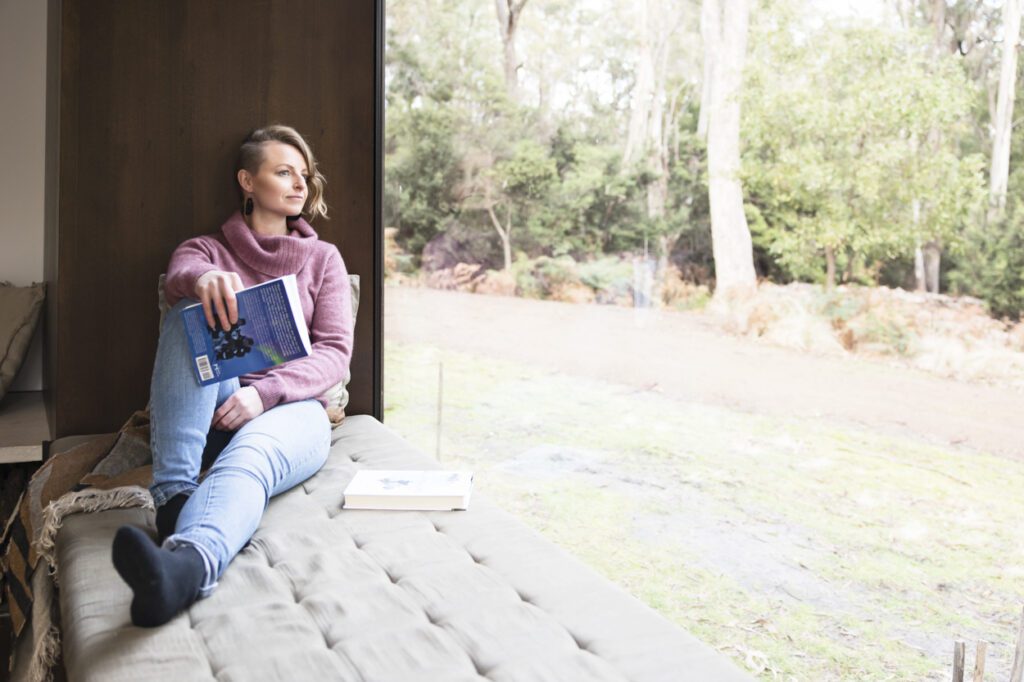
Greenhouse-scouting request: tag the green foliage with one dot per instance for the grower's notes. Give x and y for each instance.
(606, 274)
(594, 209)
(852, 145)
(530, 173)
(422, 172)
(858, 138)
(990, 263)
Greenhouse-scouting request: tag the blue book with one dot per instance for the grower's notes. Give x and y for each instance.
(270, 330)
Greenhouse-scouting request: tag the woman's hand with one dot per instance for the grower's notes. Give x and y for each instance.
(216, 289)
(243, 405)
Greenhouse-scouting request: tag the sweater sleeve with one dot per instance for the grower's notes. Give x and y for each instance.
(331, 337)
(191, 260)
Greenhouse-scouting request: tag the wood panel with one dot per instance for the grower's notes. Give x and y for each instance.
(156, 97)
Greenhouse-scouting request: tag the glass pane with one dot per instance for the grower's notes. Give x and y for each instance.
(797, 469)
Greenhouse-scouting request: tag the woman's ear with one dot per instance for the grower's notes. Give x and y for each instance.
(245, 180)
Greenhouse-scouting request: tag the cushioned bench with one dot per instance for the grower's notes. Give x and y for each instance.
(323, 593)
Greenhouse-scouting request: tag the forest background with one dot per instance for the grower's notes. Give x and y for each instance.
(835, 176)
(559, 148)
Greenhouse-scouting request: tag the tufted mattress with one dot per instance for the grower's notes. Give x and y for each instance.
(323, 593)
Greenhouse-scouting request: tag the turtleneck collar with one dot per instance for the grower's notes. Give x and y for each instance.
(275, 256)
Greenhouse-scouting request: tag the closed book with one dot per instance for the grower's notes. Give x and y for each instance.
(418, 490)
(271, 329)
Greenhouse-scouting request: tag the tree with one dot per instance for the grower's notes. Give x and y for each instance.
(653, 117)
(504, 189)
(834, 163)
(1003, 121)
(724, 30)
(509, 13)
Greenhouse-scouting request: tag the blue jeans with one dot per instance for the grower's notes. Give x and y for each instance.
(270, 454)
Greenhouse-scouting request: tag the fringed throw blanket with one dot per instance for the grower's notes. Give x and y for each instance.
(106, 472)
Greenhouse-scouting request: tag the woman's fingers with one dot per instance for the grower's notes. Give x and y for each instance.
(232, 414)
(217, 292)
(232, 306)
(230, 283)
(222, 313)
(225, 421)
(208, 311)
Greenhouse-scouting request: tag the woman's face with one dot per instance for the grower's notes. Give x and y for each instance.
(279, 186)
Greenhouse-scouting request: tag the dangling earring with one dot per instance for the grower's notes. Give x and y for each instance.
(248, 206)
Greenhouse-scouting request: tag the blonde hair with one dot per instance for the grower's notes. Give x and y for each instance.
(250, 157)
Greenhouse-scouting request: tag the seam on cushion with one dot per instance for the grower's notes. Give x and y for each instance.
(576, 640)
(298, 602)
(426, 616)
(292, 587)
(203, 643)
(473, 661)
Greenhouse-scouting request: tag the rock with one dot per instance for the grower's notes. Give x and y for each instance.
(572, 292)
(1016, 335)
(455, 244)
(462, 277)
(497, 282)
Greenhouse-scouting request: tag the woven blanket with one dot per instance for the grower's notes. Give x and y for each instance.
(107, 472)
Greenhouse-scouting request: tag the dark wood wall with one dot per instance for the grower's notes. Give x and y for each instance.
(155, 98)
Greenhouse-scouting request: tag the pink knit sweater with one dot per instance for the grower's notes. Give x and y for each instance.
(323, 288)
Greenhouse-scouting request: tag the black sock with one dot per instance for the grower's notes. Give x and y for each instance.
(167, 516)
(164, 581)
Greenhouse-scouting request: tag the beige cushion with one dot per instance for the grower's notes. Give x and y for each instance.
(325, 593)
(19, 313)
(337, 395)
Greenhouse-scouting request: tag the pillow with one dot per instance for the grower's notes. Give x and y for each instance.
(19, 314)
(337, 395)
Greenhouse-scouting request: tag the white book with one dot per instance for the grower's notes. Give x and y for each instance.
(418, 490)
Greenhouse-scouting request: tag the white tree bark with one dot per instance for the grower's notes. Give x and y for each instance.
(509, 12)
(1003, 121)
(730, 235)
(928, 260)
(504, 233)
(642, 97)
(711, 34)
(647, 137)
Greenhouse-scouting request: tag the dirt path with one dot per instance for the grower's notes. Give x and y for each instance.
(682, 356)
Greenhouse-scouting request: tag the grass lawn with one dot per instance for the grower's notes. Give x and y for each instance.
(802, 549)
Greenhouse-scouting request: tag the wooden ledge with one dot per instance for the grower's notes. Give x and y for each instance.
(23, 427)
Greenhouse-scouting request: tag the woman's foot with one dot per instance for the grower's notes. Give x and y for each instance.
(164, 581)
(167, 516)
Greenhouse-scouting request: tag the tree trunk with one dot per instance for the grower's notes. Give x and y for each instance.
(1003, 122)
(932, 261)
(509, 12)
(648, 136)
(730, 235)
(830, 268)
(934, 141)
(939, 25)
(505, 234)
(711, 34)
(643, 95)
(920, 283)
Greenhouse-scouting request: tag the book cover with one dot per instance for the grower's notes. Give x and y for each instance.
(405, 489)
(270, 330)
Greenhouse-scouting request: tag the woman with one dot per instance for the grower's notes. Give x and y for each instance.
(268, 430)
